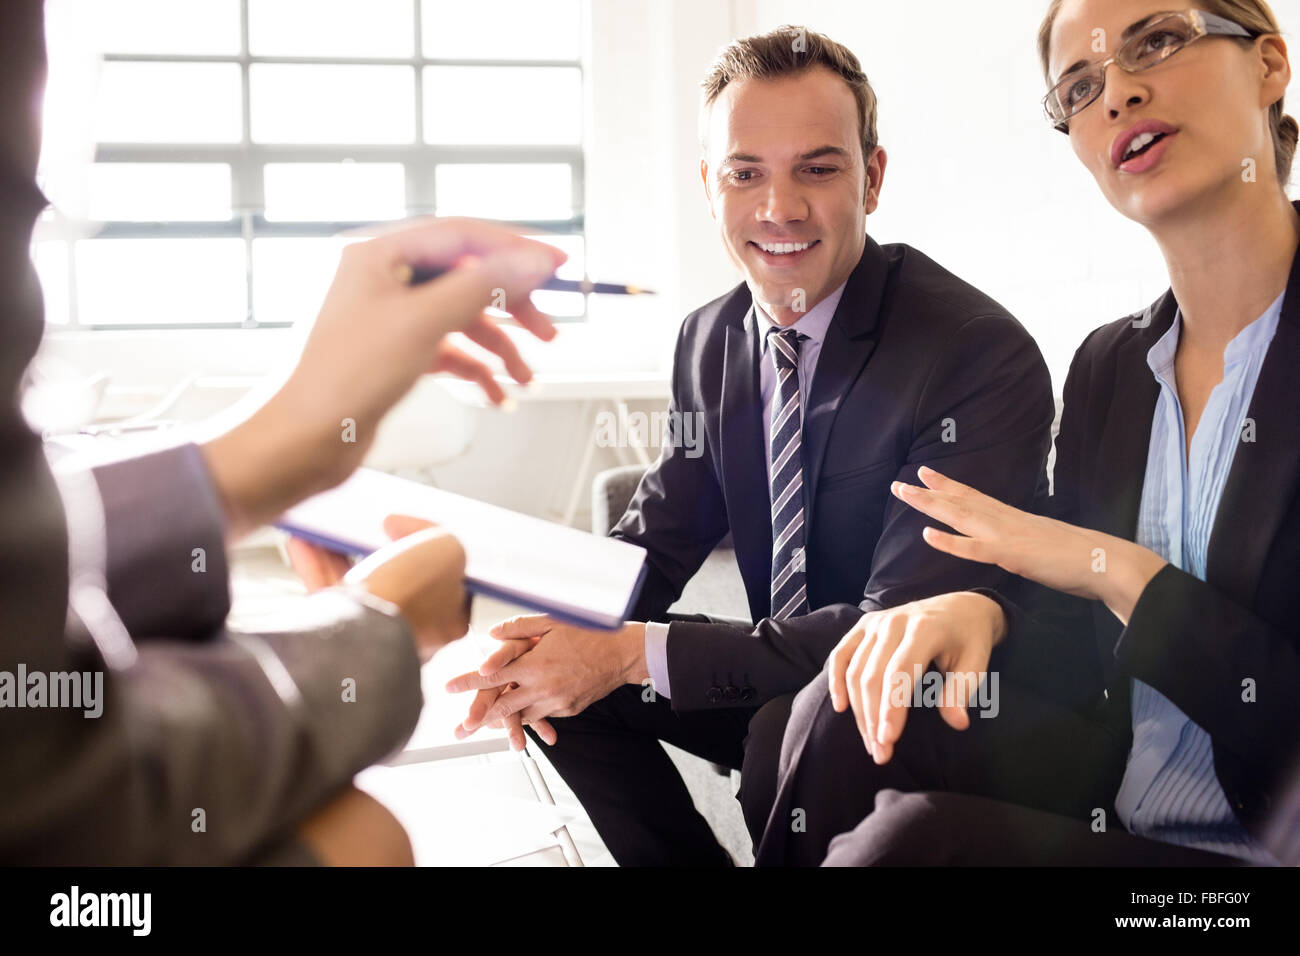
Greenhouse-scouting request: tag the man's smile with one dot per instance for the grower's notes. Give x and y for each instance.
(784, 253)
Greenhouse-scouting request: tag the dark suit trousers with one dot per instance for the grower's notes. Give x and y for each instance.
(956, 829)
(1034, 754)
(611, 757)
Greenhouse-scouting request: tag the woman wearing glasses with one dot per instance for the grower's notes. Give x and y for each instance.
(1156, 612)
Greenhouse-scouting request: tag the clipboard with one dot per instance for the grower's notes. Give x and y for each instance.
(571, 575)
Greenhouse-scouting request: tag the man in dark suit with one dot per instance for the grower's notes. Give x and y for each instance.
(837, 367)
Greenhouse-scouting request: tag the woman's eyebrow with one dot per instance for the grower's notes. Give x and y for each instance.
(1124, 37)
(1140, 25)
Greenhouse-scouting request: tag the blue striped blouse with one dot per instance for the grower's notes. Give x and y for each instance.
(1169, 791)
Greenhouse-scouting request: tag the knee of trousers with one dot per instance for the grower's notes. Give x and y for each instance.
(904, 829)
(762, 745)
(766, 731)
(824, 733)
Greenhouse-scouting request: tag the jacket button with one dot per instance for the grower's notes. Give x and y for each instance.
(747, 694)
(713, 694)
(731, 692)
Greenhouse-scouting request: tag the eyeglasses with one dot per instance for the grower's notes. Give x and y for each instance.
(1162, 36)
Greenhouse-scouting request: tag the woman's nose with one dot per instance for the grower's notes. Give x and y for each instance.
(1123, 91)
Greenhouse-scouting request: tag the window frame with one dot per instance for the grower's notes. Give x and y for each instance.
(246, 159)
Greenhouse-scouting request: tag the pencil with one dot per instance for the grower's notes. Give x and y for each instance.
(418, 275)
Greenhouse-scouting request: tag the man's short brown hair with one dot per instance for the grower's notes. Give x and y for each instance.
(788, 51)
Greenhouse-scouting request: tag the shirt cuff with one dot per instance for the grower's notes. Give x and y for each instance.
(656, 657)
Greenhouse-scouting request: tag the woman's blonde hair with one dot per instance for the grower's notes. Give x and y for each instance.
(1256, 17)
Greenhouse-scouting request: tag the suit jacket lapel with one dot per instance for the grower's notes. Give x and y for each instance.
(1265, 470)
(850, 339)
(743, 464)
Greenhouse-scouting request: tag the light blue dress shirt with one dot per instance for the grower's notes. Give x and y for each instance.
(1170, 791)
(813, 324)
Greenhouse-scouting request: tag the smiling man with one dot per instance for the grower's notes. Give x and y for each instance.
(838, 366)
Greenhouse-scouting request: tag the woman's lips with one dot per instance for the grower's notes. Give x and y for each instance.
(1144, 161)
(1121, 143)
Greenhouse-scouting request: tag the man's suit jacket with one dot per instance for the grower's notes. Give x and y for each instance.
(1206, 645)
(252, 729)
(917, 367)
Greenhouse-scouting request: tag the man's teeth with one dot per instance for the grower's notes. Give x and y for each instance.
(1140, 142)
(783, 248)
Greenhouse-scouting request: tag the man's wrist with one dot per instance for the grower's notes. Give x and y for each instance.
(635, 668)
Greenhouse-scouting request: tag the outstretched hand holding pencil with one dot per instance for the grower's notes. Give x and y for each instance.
(376, 334)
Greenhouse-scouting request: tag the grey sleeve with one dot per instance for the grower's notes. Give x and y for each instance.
(256, 730)
(164, 543)
(210, 752)
(200, 745)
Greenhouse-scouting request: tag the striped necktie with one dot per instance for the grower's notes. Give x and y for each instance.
(785, 472)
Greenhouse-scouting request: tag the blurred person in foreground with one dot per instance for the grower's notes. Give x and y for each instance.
(247, 732)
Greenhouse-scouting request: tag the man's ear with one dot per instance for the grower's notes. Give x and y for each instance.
(704, 178)
(875, 179)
